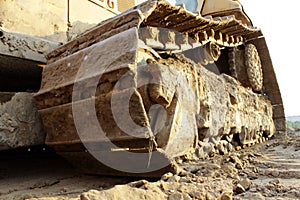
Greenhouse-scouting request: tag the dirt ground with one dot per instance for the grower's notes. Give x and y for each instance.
(264, 171)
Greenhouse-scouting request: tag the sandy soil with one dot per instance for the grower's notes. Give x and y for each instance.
(263, 171)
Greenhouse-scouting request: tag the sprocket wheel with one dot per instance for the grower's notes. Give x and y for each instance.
(213, 51)
(254, 68)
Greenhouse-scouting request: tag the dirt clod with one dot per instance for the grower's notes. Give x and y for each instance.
(246, 174)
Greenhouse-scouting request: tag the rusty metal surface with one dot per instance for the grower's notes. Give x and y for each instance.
(156, 14)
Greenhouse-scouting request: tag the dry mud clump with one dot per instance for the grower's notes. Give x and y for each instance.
(264, 171)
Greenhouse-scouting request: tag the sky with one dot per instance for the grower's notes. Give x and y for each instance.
(279, 22)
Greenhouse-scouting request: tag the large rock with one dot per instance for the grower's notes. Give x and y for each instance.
(123, 192)
(20, 123)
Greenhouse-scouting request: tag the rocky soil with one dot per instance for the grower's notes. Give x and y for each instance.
(263, 171)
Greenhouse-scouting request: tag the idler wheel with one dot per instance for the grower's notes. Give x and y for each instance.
(254, 68)
(213, 51)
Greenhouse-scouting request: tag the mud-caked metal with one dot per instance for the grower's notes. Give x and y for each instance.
(158, 82)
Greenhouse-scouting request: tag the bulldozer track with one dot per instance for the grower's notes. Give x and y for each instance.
(226, 31)
(161, 35)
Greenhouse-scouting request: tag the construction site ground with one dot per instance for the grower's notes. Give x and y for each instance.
(263, 171)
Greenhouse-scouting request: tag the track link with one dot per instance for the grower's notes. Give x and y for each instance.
(217, 113)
